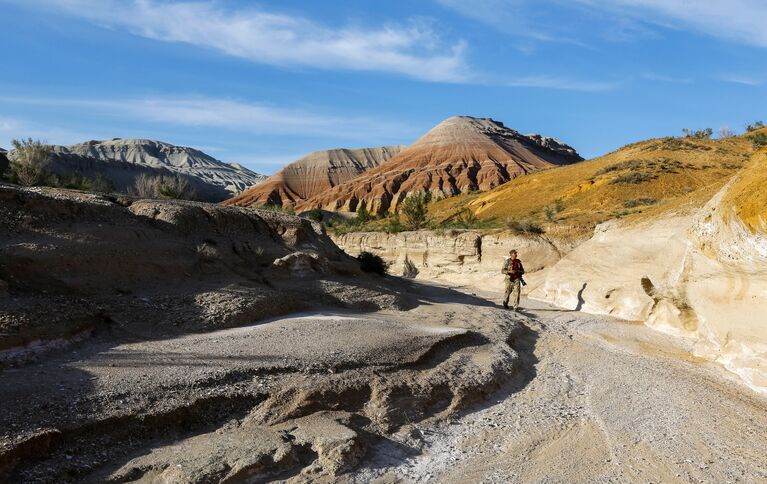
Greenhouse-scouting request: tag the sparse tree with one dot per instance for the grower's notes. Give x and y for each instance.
(363, 215)
(754, 126)
(176, 187)
(415, 210)
(144, 186)
(726, 132)
(698, 133)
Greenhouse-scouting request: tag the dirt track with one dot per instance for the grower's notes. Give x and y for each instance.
(601, 401)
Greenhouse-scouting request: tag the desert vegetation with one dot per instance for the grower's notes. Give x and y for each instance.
(704, 133)
(171, 186)
(370, 262)
(30, 166)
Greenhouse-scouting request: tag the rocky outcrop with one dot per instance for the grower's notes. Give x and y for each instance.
(700, 275)
(459, 155)
(154, 267)
(464, 257)
(312, 175)
(139, 335)
(122, 160)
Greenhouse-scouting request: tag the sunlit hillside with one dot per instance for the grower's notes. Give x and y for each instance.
(639, 179)
(748, 195)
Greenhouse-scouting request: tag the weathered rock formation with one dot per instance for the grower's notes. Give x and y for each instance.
(464, 257)
(697, 270)
(459, 155)
(312, 175)
(136, 335)
(121, 257)
(122, 160)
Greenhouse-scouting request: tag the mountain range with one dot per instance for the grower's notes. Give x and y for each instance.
(122, 160)
(459, 155)
(313, 175)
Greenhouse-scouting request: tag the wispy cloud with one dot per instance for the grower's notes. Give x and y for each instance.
(513, 17)
(651, 76)
(744, 80)
(742, 21)
(227, 114)
(549, 82)
(739, 20)
(411, 48)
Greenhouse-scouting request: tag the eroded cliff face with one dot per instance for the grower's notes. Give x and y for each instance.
(465, 257)
(698, 274)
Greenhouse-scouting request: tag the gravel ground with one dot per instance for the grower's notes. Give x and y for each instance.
(603, 401)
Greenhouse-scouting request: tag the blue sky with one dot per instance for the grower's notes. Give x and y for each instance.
(262, 83)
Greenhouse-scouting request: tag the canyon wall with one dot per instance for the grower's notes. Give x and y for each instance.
(464, 257)
(699, 274)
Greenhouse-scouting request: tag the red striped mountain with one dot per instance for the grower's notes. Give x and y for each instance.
(461, 154)
(312, 175)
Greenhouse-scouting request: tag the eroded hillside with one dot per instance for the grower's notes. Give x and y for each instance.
(650, 177)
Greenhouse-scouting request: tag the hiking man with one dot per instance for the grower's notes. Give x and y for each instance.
(513, 270)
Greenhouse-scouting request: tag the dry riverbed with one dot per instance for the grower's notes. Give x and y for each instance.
(454, 390)
(602, 401)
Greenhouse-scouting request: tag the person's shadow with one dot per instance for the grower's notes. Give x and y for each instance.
(581, 301)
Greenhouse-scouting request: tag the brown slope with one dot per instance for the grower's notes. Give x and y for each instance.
(312, 175)
(459, 155)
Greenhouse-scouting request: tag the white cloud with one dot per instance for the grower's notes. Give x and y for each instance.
(549, 82)
(742, 21)
(740, 79)
(227, 114)
(739, 20)
(412, 49)
(651, 76)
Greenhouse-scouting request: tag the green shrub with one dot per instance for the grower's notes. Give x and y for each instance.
(75, 181)
(29, 163)
(393, 224)
(414, 209)
(363, 215)
(640, 202)
(625, 165)
(465, 219)
(698, 133)
(633, 178)
(758, 140)
(315, 214)
(754, 126)
(370, 262)
(521, 227)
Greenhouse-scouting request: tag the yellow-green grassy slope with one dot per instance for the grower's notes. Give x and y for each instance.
(748, 194)
(637, 180)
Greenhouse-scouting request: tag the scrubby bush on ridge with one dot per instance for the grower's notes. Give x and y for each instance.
(370, 262)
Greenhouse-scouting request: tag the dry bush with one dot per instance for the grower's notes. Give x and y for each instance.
(521, 227)
(29, 162)
(170, 186)
(410, 270)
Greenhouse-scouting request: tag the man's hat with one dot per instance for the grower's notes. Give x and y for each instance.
(514, 251)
